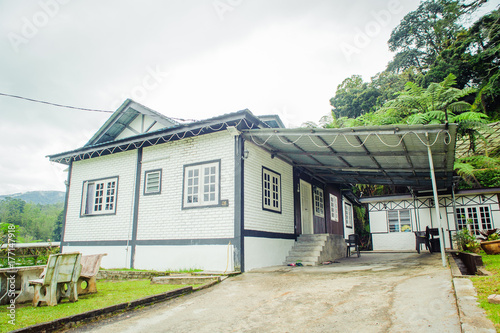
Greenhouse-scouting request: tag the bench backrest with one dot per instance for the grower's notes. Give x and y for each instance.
(91, 264)
(63, 267)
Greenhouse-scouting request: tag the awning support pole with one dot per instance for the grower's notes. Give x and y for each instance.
(436, 201)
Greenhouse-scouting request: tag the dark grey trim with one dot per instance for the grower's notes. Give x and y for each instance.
(146, 178)
(201, 241)
(267, 234)
(135, 217)
(66, 199)
(281, 193)
(239, 255)
(218, 204)
(153, 242)
(96, 243)
(96, 180)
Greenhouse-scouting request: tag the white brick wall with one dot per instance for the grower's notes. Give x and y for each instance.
(255, 217)
(161, 216)
(103, 227)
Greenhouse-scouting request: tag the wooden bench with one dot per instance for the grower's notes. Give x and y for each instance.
(90, 268)
(61, 275)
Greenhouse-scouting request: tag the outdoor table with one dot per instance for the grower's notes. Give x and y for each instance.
(24, 291)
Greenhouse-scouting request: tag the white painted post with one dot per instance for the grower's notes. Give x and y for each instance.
(436, 201)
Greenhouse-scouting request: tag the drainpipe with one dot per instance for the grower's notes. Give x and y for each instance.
(436, 200)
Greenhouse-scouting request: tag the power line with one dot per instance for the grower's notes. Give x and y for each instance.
(55, 104)
(77, 108)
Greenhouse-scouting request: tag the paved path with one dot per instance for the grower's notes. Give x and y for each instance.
(400, 292)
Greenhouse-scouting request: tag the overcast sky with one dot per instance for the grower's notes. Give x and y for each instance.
(185, 59)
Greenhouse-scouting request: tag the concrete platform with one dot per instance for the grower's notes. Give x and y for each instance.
(390, 292)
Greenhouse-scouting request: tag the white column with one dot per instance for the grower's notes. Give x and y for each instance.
(436, 201)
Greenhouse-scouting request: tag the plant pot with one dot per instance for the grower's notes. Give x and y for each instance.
(491, 247)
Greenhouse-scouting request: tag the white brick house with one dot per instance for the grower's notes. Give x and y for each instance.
(157, 194)
(233, 192)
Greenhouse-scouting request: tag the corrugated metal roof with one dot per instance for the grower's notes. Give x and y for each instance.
(386, 155)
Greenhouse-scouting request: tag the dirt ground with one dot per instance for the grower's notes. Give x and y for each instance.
(378, 292)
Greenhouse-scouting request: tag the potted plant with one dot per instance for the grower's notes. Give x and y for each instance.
(490, 241)
(466, 241)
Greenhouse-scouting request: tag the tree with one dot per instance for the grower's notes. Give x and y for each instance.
(57, 234)
(354, 98)
(424, 33)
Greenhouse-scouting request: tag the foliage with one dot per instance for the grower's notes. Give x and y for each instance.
(362, 227)
(488, 285)
(442, 72)
(35, 222)
(478, 171)
(422, 34)
(466, 241)
(57, 233)
(110, 293)
(354, 98)
(28, 256)
(489, 235)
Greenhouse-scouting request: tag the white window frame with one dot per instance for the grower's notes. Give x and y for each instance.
(480, 216)
(348, 214)
(400, 225)
(152, 182)
(271, 190)
(200, 191)
(99, 196)
(334, 208)
(319, 202)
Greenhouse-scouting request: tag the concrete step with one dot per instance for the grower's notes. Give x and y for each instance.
(309, 246)
(293, 253)
(312, 238)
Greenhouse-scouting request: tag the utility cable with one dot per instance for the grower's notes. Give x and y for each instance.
(55, 104)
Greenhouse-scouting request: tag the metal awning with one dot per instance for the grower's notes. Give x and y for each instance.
(385, 155)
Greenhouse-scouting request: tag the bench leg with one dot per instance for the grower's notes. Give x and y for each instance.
(36, 296)
(73, 292)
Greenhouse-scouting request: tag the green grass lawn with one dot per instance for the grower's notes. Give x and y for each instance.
(487, 285)
(109, 293)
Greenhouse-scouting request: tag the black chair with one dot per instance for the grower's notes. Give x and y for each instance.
(432, 235)
(353, 241)
(421, 238)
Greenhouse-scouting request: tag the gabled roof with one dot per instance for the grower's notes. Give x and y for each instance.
(272, 120)
(243, 119)
(123, 117)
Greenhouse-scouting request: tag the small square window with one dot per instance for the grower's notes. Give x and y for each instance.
(152, 182)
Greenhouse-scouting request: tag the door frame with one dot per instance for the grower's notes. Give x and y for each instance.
(307, 187)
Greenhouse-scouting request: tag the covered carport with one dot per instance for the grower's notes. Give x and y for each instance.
(419, 157)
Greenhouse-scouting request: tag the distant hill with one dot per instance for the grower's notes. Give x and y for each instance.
(38, 197)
